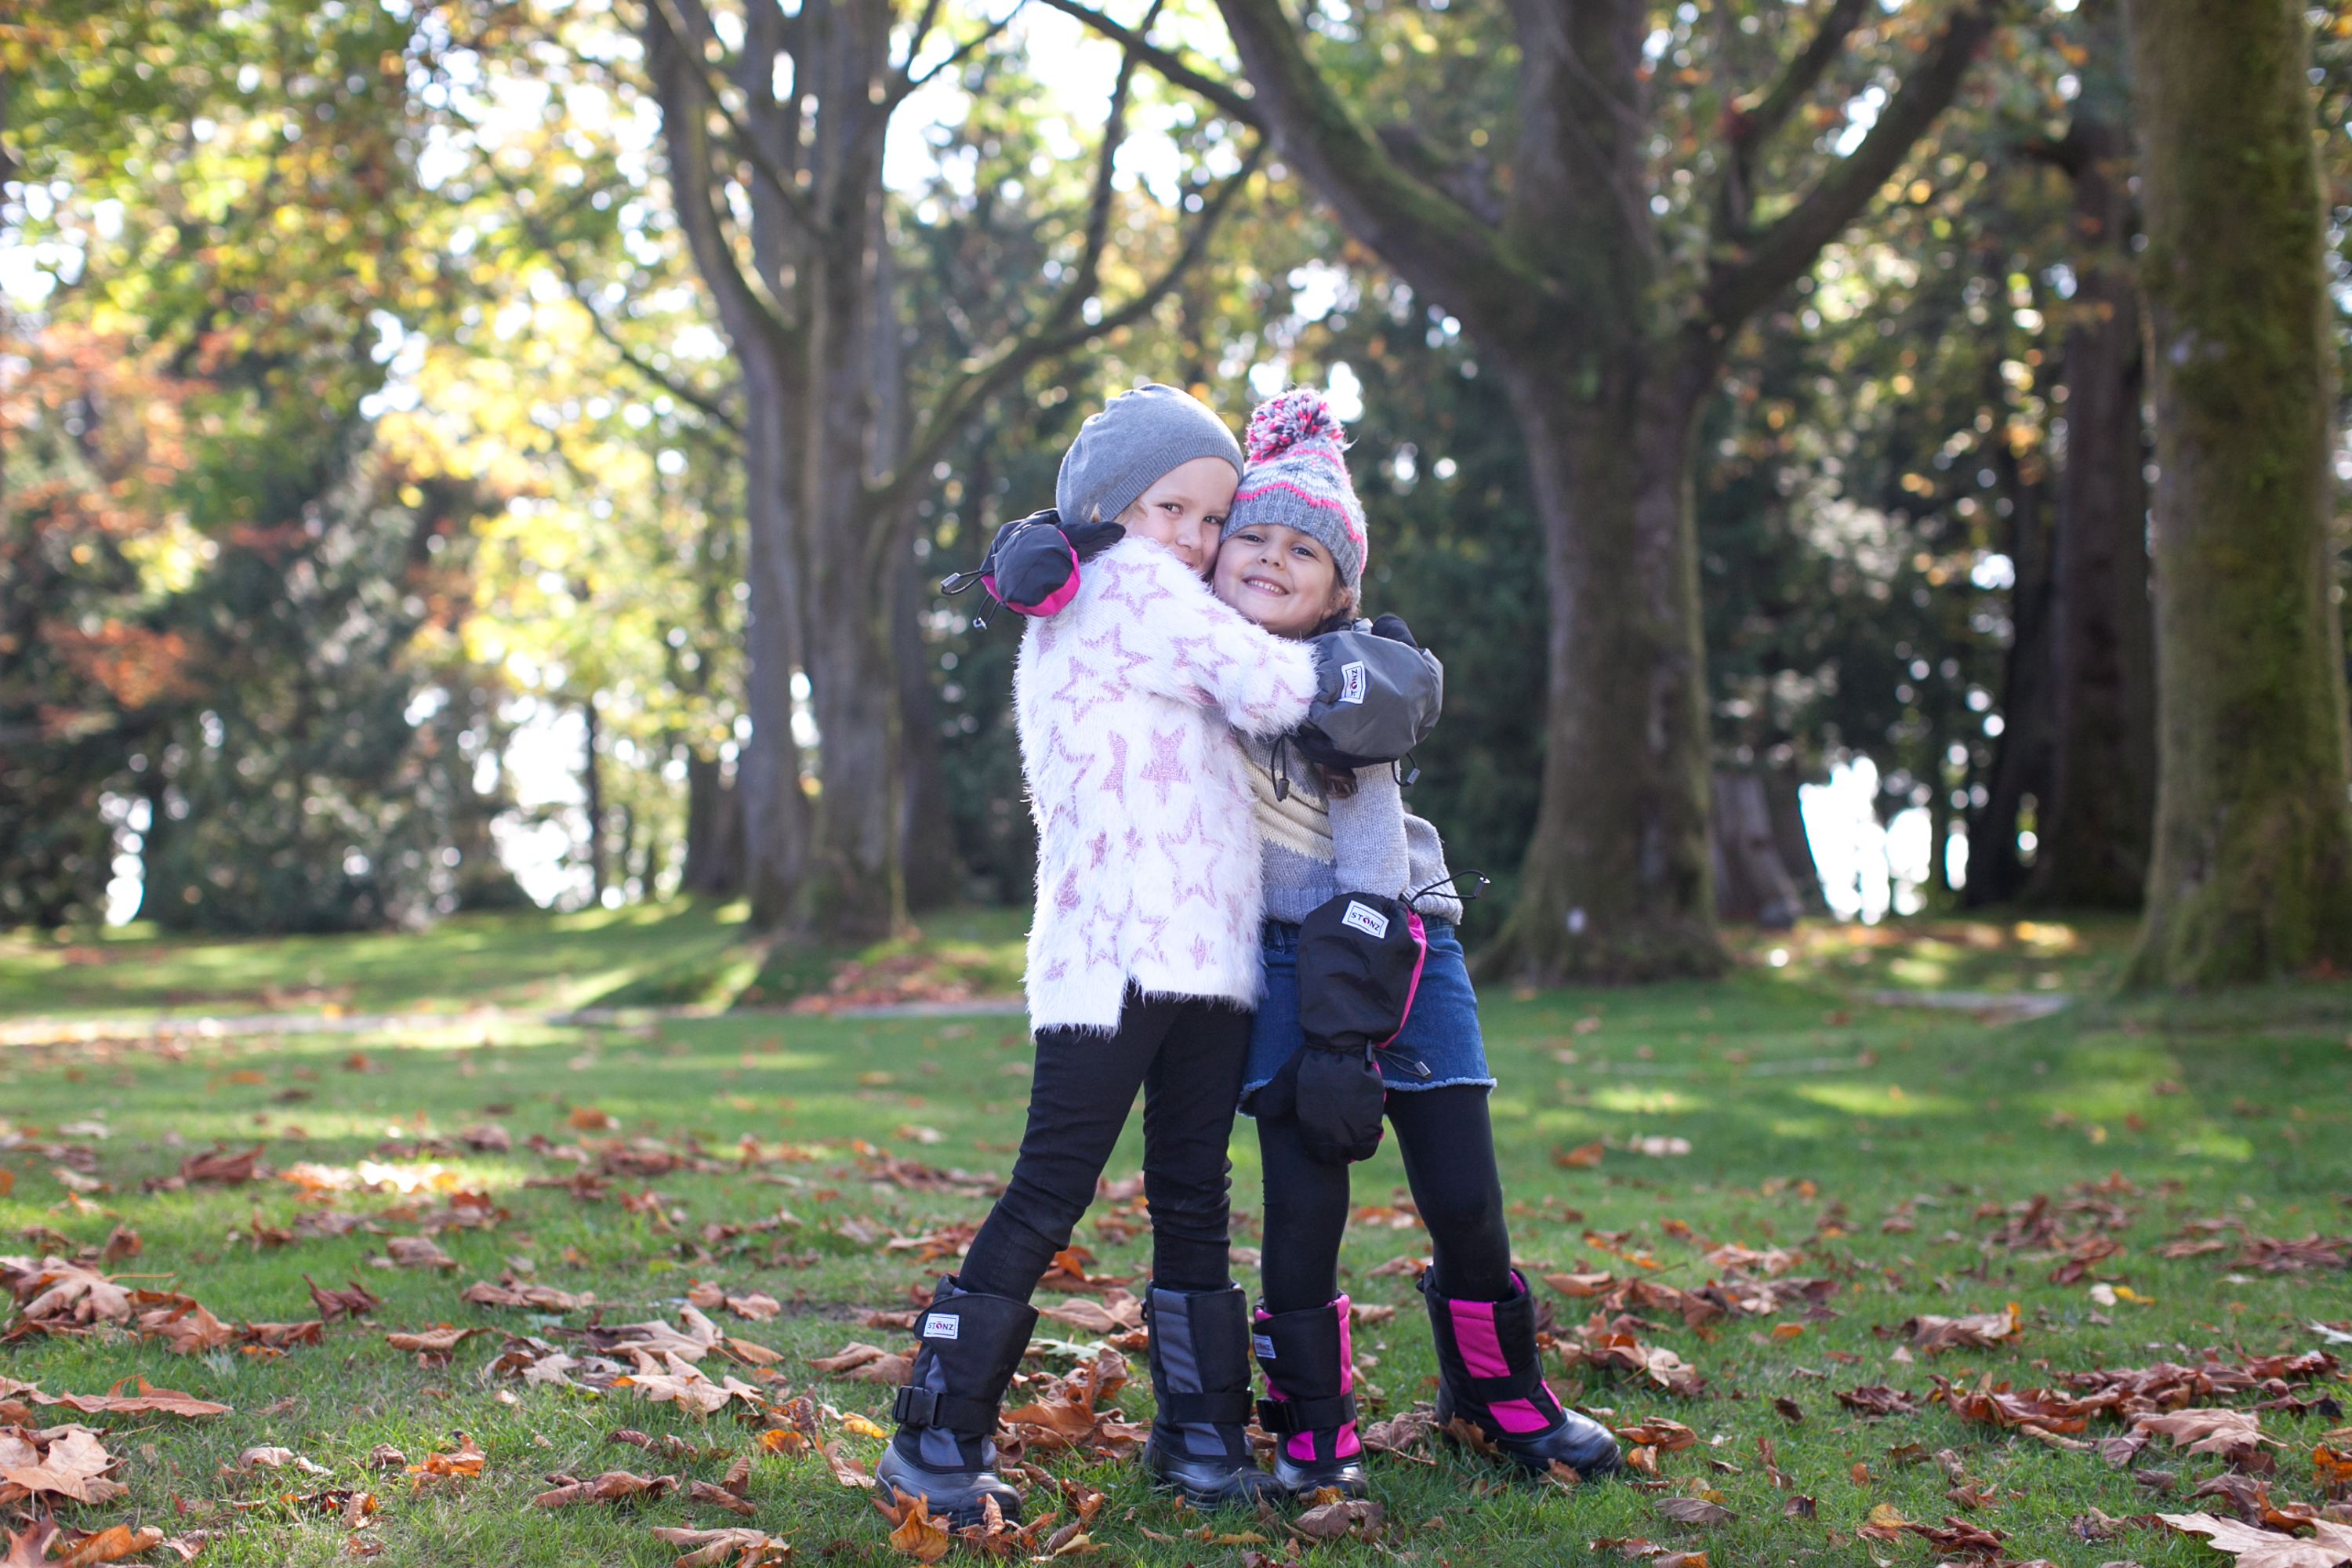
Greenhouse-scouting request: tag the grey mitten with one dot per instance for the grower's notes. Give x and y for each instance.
(1376, 700)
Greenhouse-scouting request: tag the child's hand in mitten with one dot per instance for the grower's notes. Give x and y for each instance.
(1377, 697)
(1031, 565)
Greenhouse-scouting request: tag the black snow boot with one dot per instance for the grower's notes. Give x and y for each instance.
(1310, 1373)
(970, 1347)
(1487, 1372)
(1201, 1378)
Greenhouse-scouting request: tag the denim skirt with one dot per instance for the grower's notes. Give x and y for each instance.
(1439, 1046)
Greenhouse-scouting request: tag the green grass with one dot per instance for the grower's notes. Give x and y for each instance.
(2239, 1107)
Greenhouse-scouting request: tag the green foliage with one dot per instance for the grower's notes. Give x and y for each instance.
(226, 601)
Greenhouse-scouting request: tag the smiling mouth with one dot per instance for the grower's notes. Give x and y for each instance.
(1265, 585)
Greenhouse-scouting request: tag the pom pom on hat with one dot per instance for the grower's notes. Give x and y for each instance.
(1283, 422)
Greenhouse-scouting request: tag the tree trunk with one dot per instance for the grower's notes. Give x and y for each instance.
(1617, 884)
(932, 874)
(591, 781)
(1563, 287)
(1752, 884)
(2252, 865)
(775, 812)
(2020, 776)
(2102, 801)
(714, 832)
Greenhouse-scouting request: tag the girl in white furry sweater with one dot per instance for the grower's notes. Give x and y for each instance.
(1143, 963)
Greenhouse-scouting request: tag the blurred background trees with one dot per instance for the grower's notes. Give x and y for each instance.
(460, 455)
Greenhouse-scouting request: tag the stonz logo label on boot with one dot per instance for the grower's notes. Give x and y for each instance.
(942, 1326)
(1365, 918)
(1263, 1345)
(1353, 680)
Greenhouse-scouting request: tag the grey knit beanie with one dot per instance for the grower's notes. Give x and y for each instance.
(1138, 436)
(1298, 476)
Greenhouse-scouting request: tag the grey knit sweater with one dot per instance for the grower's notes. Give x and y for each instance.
(1313, 849)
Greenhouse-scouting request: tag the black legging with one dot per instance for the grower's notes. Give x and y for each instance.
(1186, 1054)
(1449, 1157)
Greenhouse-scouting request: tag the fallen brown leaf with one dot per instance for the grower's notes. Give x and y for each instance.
(2255, 1548)
(418, 1252)
(333, 1304)
(1355, 1518)
(108, 1545)
(1979, 1331)
(2206, 1431)
(1692, 1511)
(739, 1547)
(914, 1530)
(613, 1486)
(466, 1459)
(70, 1464)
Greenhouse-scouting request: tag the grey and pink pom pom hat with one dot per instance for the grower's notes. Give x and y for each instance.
(1298, 476)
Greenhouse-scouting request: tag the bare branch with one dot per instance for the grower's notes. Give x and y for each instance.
(548, 247)
(1754, 127)
(910, 83)
(1775, 257)
(697, 75)
(1441, 247)
(1749, 129)
(1228, 101)
(976, 389)
(743, 307)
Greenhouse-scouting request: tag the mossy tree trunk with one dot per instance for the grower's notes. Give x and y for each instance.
(1556, 272)
(2252, 866)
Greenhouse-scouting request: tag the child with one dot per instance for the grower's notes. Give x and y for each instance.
(1140, 972)
(1293, 560)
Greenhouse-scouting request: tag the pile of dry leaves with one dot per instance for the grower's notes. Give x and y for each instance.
(59, 1296)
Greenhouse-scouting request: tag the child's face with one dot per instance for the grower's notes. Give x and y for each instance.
(1185, 508)
(1281, 579)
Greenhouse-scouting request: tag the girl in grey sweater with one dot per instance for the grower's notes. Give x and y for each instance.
(1292, 559)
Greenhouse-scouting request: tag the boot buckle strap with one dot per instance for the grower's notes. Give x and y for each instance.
(1281, 1417)
(1229, 1408)
(921, 1407)
(1495, 1390)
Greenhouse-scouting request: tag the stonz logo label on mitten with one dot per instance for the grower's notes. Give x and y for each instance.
(942, 1326)
(1264, 1345)
(1369, 920)
(1354, 681)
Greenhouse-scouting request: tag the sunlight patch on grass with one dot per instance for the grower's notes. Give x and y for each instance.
(2213, 1143)
(1878, 1100)
(1634, 1099)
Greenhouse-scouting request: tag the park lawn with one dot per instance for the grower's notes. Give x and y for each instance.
(682, 952)
(1885, 1143)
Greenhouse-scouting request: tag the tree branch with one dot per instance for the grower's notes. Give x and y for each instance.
(1775, 257)
(1756, 126)
(740, 134)
(547, 247)
(1443, 248)
(909, 82)
(975, 390)
(741, 306)
(1228, 101)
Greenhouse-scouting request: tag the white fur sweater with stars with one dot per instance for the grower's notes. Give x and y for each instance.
(1148, 864)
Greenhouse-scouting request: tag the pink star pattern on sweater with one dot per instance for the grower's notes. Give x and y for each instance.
(1132, 583)
(1115, 778)
(1165, 768)
(1158, 886)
